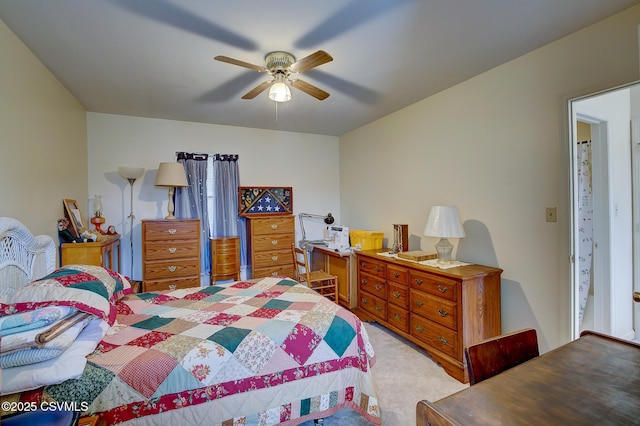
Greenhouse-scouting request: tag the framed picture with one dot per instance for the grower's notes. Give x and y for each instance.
(265, 200)
(72, 212)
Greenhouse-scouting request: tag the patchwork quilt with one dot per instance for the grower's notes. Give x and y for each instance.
(267, 351)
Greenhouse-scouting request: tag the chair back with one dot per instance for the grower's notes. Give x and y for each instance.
(300, 264)
(492, 356)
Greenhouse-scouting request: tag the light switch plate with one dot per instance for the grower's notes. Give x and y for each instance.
(551, 214)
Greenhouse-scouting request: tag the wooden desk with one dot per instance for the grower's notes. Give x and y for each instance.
(592, 380)
(338, 264)
(104, 253)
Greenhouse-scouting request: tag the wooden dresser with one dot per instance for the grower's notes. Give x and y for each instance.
(105, 253)
(440, 310)
(170, 254)
(225, 258)
(270, 239)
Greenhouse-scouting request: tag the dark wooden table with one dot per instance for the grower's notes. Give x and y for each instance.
(592, 380)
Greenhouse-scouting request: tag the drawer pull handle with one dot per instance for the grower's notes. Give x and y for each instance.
(364, 281)
(378, 308)
(396, 275)
(443, 340)
(172, 268)
(364, 301)
(419, 328)
(442, 312)
(378, 287)
(419, 303)
(378, 269)
(442, 288)
(396, 316)
(363, 264)
(418, 281)
(396, 294)
(274, 226)
(172, 230)
(172, 250)
(274, 258)
(274, 242)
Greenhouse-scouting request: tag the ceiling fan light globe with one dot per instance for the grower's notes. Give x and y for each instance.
(279, 92)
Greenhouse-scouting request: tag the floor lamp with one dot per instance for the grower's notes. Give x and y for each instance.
(131, 174)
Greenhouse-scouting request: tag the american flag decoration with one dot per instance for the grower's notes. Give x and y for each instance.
(261, 200)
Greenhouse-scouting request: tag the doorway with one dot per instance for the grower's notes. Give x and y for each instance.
(609, 255)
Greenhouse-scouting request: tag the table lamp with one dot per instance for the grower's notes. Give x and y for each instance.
(444, 222)
(171, 175)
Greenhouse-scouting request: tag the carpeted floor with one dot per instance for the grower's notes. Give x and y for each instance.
(403, 374)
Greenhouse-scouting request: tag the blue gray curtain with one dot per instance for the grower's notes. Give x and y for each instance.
(191, 201)
(225, 219)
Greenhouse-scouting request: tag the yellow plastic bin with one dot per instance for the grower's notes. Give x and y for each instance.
(366, 240)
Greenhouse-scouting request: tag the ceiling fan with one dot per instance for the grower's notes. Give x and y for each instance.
(282, 67)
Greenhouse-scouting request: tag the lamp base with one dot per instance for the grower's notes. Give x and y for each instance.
(170, 217)
(444, 249)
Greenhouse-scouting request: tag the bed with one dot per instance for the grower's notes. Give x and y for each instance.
(264, 351)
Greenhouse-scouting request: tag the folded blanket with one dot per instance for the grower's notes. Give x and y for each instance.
(42, 344)
(30, 320)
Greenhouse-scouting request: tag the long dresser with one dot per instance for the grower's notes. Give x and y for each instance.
(270, 239)
(440, 310)
(170, 254)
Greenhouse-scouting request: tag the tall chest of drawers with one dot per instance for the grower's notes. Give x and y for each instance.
(440, 310)
(170, 254)
(270, 239)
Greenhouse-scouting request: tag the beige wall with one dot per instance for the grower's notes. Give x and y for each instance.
(495, 146)
(43, 140)
(306, 162)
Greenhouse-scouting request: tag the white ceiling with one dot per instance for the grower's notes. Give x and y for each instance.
(154, 58)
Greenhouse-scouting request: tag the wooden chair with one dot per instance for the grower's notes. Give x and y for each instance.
(323, 282)
(492, 356)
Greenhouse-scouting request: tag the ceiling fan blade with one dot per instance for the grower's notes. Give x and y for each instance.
(257, 90)
(232, 61)
(311, 61)
(310, 89)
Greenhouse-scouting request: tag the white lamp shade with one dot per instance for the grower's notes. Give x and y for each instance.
(171, 174)
(279, 92)
(128, 172)
(444, 222)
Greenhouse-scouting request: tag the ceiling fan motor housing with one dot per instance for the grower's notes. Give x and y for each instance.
(279, 62)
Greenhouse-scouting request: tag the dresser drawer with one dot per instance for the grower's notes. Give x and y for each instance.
(398, 317)
(169, 230)
(398, 295)
(171, 269)
(273, 242)
(397, 275)
(272, 257)
(374, 285)
(372, 267)
(435, 335)
(159, 285)
(275, 225)
(437, 309)
(372, 304)
(166, 250)
(440, 286)
(273, 271)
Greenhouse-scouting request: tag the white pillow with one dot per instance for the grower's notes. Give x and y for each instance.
(69, 365)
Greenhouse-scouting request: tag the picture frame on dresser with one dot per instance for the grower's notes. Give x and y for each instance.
(72, 212)
(265, 201)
